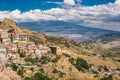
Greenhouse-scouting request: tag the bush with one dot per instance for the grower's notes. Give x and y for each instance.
(28, 78)
(107, 78)
(71, 60)
(20, 72)
(45, 60)
(41, 70)
(61, 74)
(32, 60)
(40, 76)
(7, 65)
(32, 69)
(11, 30)
(79, 63)
(14, 67)
(94, 72)
(66, 55)
(55, 71)
(22, 54)
(56, 59)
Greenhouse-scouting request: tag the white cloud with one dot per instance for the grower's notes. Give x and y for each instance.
(105, 16)
(65, 3)
(69, 2)
(117, 1)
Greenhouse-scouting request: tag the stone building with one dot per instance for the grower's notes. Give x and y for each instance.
(56, 50)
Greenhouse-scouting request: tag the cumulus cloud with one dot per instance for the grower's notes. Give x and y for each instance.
(64, 4)
(117, 1)
(69, 2)
(105, 16)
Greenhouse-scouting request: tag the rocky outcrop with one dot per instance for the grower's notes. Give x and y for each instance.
(8, 23)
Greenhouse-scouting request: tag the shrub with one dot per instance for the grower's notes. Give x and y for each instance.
(55, 71)
(11, 30)
(32, 69)
(29, 60)
(40, 76)
(66, 55)
(41, 70)
(56, 59)
(79, 63)
(14, 67)
(94, 72)
(28, 78)
(20, 72)
(61, 74)
(107, 78)
(22, 54)
(71, 60)
(45, 60)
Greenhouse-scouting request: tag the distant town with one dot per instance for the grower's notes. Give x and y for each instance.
(15, 45)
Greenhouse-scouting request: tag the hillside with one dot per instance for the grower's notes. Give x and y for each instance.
(66, 67)
(109, 41)
(75, 48)
(68, 30)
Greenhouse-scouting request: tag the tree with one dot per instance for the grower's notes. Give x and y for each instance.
(33, 61)
(14, 67)
(22, 54)
(11, 30)
(71, 60)
(41, 70)
(40, 76)
(81, 64)
(32, 69)
(45, 59)
(56, 59)
(28, 78)
(107, 78)
(20, 72)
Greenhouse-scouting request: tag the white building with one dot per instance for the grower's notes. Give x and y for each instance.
(11, 56)
(4, 37)
(3, 53)
(18, 36)
(40, 52)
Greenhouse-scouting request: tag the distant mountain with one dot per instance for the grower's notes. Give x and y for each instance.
(67, 30)
(109, 41)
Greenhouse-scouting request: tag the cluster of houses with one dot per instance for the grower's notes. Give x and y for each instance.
(13, 42)
(109, 70)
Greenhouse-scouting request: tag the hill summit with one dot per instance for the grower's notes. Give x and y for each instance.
(8, 23)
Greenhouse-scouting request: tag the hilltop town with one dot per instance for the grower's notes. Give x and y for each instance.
(25, 56)
(15, 46)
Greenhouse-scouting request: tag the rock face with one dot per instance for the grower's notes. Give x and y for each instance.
(8, 23)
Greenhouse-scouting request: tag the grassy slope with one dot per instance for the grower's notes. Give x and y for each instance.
(75, 49)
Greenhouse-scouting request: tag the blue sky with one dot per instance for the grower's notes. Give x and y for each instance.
(103, 14)
(26, 5)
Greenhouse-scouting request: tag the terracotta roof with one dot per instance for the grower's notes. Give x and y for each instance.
(18, 33)
(21, 44)
(5, 38)
(30, 43)
(111, 67)
(9, 46)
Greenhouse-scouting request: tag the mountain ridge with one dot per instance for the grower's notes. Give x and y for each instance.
(68, 30)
